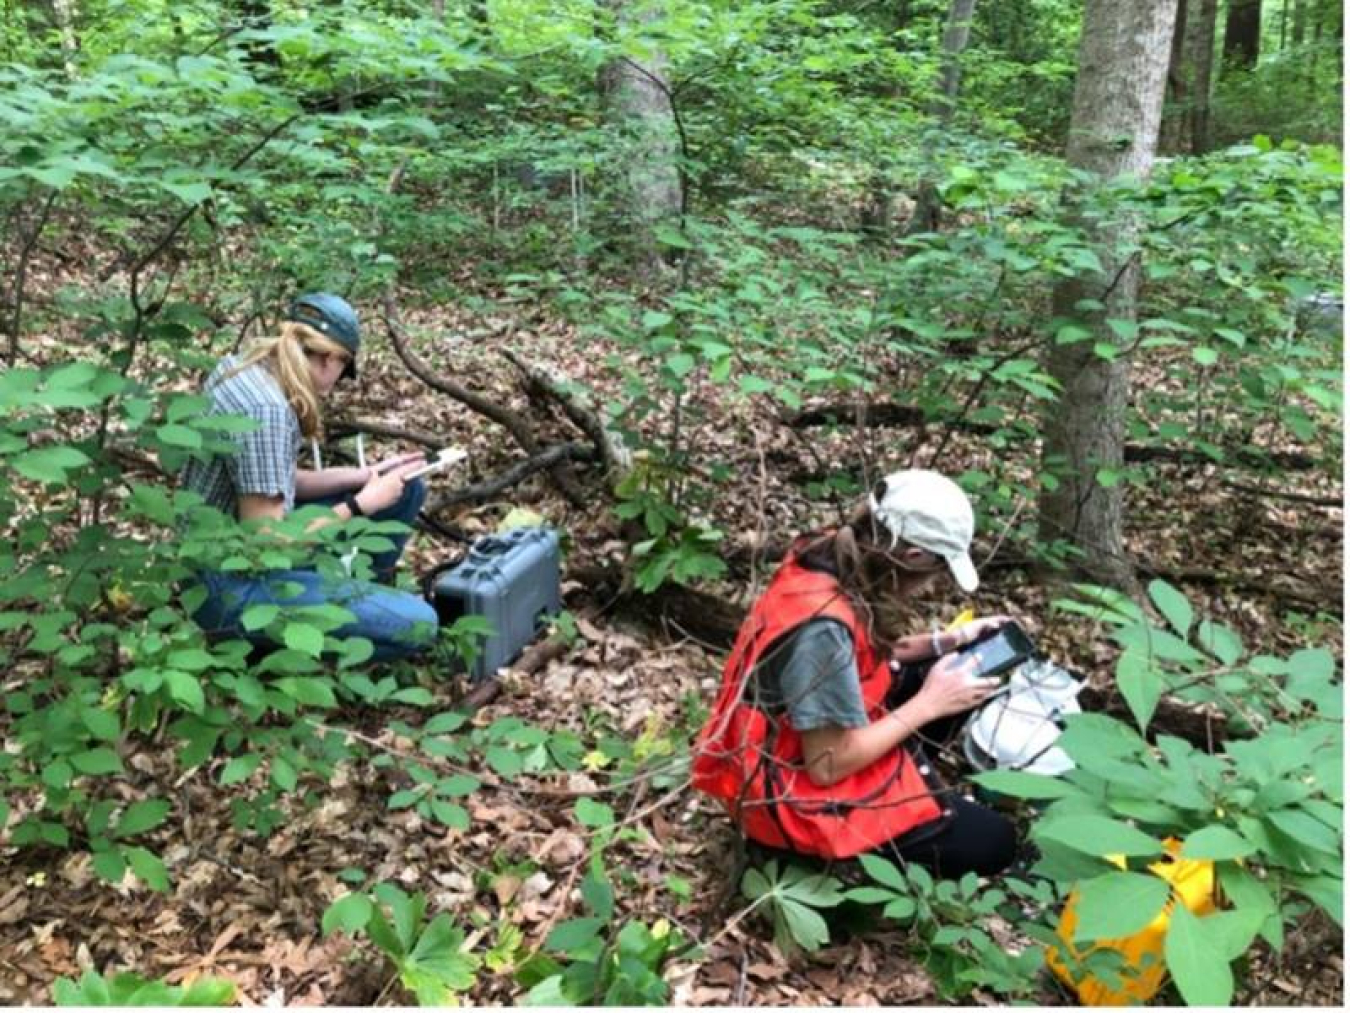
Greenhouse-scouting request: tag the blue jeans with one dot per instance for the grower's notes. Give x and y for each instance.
(396, 623)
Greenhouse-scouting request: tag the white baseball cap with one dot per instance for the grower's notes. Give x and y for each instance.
(932, 512)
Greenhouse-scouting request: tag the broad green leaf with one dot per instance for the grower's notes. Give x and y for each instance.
(1098, 835)
(175, 434)
(901, 909)
(239, 768)
(1219, 641)
(1140, 684)
(1327, 892)
(110, 864)
(1021, 784)
(141, 816)
(49, 464)
(1304, 829)
(805, 926)
(304, 638)
(1174, 606)
(1119, 904)
(1201, 979)
(188, 193)
(283, 774)
(457, 785)
(599, 895)
(1217, 844)
(815, 889)
(96, 761)
(102, 724)
(442, 723)
(185, 689)
(590, 813)
(148, 868)
(256, 617)
(456, 817)
(870, 895)
(1232, 932)
(571, 935)
(348, 914)
(884, 872)
(208, 992)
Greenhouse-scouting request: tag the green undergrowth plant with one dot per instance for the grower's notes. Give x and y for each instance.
(791, 898)
(947, 924)
(129, 989)
(677, 548)
(429, 956)
(602, 958)
(1264, 805)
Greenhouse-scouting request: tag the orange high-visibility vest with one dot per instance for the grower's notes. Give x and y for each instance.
(752, 761)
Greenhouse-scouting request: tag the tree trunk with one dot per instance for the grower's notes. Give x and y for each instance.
(1200, 29)
(928, 208)
(1173, 138)
(1185, 127)
(1300, 34)
(70, 42)
(637, 101)
(1242, 34)
(1117, 106)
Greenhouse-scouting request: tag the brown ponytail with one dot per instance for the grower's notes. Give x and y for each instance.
(860, 556)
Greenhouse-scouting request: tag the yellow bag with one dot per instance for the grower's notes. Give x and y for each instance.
(1192, 881)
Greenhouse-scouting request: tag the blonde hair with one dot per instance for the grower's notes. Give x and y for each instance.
(283, 354)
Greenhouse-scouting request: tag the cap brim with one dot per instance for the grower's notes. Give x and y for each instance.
(963, 570)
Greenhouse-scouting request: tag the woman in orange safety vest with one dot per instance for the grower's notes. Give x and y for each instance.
(815, 741)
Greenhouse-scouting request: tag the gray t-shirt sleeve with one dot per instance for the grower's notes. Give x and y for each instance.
(817, 678)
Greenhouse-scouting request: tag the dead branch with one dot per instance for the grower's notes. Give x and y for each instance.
(513, 475)
(504, 417)
(888, 414)
(537, 383)
(339, 428)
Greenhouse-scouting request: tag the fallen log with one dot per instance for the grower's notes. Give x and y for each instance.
(885, 414)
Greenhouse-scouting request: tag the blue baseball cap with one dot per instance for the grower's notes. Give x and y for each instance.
(332, 316)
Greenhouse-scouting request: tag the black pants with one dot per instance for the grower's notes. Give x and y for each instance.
(975, 839)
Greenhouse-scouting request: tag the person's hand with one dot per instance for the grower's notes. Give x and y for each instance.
(399, 460)
(384, 491)
(951, 687)
(972, 631)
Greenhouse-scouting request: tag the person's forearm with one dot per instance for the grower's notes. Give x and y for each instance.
(311, 485)
(923, 646)
(850, 750)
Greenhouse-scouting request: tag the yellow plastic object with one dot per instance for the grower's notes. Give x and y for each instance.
(1192, 882)
(966, 615)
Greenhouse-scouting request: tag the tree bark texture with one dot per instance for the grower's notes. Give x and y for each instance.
(1173, 135)
(64, 10)
(1300, 30)
(1185, 127)
(1117, 105)
(636, 95)
(928, 206)
(1201, 23)
(1242, 34)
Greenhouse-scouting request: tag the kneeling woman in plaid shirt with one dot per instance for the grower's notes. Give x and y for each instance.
(279, 383)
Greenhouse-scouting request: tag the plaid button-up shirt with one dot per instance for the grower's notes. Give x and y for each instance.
(264, 459)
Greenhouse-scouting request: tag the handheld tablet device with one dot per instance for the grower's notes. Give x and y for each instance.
(1000, 651)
